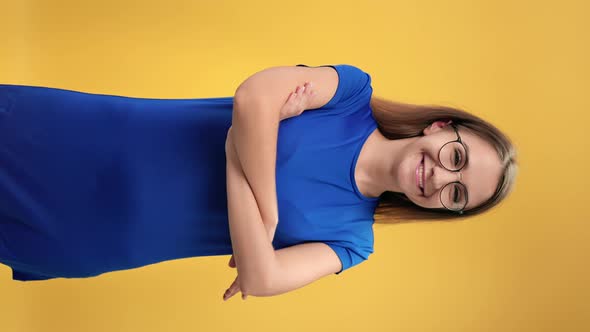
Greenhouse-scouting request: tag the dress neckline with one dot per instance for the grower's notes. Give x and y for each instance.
(372, 129)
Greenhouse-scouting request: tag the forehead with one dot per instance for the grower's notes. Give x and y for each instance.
(483, 169)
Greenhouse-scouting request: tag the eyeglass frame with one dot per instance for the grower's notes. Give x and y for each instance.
(454, 126)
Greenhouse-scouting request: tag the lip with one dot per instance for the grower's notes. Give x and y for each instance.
(424, 174)
(418, 175)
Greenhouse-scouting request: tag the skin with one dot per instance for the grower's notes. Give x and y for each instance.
(389, 165)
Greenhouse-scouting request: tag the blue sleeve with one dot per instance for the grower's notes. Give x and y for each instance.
(350, 255)
(354, 88)
(354, 247)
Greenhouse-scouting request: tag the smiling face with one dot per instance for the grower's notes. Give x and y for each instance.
(480, 175)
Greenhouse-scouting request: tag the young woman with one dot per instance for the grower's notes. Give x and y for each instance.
(95, 183)
(349, 159)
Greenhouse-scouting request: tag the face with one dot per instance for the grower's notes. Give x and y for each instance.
(480, 174)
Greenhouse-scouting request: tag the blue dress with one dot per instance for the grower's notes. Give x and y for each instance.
(93, 183)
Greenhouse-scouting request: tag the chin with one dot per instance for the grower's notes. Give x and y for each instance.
(418, 200)
(413, 199)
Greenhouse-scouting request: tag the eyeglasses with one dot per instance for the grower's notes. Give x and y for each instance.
(453, 157)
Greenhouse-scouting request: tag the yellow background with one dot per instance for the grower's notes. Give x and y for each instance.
(523, 65)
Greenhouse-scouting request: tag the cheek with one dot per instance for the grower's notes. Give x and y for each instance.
(425, 202)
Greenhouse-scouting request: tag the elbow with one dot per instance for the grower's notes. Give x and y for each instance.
(258, 287)
(252, 99)
(243, 102)
(250, 85)
(243, 96)
(239, 94)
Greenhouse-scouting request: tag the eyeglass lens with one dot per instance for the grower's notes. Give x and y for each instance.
(453, 157)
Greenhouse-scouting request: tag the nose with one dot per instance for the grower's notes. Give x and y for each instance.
(442, 176)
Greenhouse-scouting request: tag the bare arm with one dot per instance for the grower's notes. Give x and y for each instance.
(255, 121)
(264, 271)
(255, 131)
(252, 198)
(253, 252)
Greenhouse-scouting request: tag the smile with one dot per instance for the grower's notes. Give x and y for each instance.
(420, 175)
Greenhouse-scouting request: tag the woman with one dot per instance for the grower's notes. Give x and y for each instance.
(96, 183)
(337, 165)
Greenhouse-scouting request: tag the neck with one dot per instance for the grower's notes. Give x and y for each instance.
(378, 164)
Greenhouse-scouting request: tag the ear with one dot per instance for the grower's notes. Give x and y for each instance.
(436, 126)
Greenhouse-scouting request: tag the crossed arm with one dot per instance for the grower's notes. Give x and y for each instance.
(253, 252)
(252, 200)
(251, 147)
(264, 271)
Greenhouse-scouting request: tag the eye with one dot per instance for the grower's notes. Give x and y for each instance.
(458, 158)
(456, 194)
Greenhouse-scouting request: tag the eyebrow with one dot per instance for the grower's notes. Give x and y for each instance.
(466, 164)
(465, 144)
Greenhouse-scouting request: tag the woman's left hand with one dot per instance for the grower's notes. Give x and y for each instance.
(233, 290)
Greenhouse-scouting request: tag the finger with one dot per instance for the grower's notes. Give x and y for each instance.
(234, 285)
(231, 291)
(305, 87)
(292, 98)
(228, 294)
(236, 290)
(309, 90)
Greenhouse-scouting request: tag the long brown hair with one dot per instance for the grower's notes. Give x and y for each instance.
(398, 120)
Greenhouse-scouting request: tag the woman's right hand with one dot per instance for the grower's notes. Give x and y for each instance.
(298, 101)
